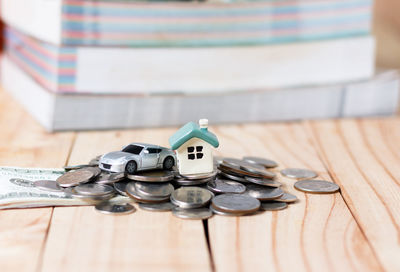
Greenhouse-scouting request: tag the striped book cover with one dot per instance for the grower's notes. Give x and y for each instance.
(188, 23)
(82, 69)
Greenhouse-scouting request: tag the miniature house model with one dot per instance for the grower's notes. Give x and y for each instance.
(194, 146)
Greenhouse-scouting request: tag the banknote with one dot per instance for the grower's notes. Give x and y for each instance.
(18, 191)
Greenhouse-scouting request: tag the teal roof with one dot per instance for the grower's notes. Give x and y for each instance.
(189, 131)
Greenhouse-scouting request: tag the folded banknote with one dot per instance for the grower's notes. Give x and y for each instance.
(17, 189)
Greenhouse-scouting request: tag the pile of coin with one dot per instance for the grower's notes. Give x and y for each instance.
(237, 187)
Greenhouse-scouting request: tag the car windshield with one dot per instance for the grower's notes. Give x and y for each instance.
(134, 149)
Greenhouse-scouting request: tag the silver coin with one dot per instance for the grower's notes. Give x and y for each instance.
(225, 186)
(287, 198)
(264, 182)
(192, 182)
(316, 186)
(234, 177)
(109, 178)
(95, 161)
(191, 197)
(95, 170)
(200, 176)
(194, 214)
(257, 169)
(235, 203)
(153, 176)
(120, 187)
(217, 160)
(217, 212)
(263, 192)
(236, 170)
(90, 199)
(298, 173)
(132, 193)
(273, 206)
(261, 161)
(48, 185)
(76, 167)
(115, 209)
(94, 189)
(154, 189)
(232, 161)
(157, 207)
(74, 178)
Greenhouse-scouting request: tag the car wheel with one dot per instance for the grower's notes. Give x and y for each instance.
(169, 162)
(131, 167)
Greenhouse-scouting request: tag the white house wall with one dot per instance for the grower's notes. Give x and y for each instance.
(197, 166)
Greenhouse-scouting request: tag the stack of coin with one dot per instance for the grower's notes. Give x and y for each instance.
(92, 192)
(193, 180)
(237, 187)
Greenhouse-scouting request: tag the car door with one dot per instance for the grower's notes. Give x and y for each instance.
(150, 158)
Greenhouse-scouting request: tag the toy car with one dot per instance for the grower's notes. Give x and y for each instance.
(137, 157)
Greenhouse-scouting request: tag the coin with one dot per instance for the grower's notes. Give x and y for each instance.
(192, 182)
(95, 161)
(200, 176)
(152, 189)
(257, 169)
(157, 207)
(153, 176)
(235, 203)
(232, 161)
(261, 161)
(194, 214)
(191, 197)
(236, 170)
(288, 198)
(94, 189)
(120, 187)
(74, 178)
(217, 160)
(108, 178)
(316, 186)
(225, 186)
(48, 185)
(95, 170)
(263, 192)
(215, 211)
(91, 199)
(115, 209)
(131, 192)
(264, 182)
(298, 173)
(234, 177)
(273, 206)
(75, 167)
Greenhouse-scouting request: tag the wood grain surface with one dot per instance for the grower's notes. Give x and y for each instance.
(354, 230)
(24, 143)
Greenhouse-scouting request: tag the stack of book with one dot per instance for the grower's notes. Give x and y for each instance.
(84, 64)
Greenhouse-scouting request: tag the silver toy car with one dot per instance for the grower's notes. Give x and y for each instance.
(137, 157)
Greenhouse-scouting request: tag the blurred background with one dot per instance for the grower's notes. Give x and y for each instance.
(386, 27)
(106, 64)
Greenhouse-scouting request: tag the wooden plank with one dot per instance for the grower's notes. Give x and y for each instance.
(144, 241)
(24, 143)
(316, 234)
(364, 157)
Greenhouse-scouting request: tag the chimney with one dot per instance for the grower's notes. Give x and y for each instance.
(203, 123)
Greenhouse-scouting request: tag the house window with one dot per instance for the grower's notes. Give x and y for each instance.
(195, 152)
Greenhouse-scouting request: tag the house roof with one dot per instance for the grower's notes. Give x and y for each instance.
(189, 131)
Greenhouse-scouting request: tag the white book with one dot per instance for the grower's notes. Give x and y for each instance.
(376, 96)
(191, 70)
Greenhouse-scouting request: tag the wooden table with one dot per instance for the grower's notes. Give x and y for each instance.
(355, 230)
